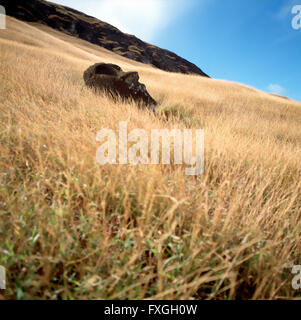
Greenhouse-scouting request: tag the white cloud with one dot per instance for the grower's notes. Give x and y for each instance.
(143, 18)
(276, 89)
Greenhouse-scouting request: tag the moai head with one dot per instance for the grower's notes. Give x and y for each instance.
(111, 78)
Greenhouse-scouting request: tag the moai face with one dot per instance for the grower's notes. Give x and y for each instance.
(110, 77)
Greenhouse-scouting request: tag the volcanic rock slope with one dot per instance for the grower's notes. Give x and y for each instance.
(97, 32)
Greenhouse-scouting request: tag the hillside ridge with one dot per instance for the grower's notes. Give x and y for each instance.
(91, 29)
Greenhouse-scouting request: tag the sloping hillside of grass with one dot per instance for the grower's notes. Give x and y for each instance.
(72, 229)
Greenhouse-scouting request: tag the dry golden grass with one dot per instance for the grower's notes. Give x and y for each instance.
(72, 229)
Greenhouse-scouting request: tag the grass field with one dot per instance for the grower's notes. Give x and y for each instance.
(72, 229)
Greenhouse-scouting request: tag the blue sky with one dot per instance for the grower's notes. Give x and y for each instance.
(247, 41)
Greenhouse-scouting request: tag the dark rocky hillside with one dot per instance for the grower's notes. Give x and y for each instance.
(95, 31)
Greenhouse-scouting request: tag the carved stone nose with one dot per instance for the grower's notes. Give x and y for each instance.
(130, 77)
